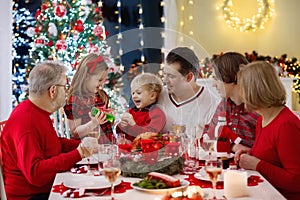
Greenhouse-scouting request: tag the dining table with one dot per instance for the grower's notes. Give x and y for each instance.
(264, 190)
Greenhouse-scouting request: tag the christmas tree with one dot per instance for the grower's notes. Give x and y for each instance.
(67, 30)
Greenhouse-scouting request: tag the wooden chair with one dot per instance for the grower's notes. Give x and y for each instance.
(2, 190)
(60, 124)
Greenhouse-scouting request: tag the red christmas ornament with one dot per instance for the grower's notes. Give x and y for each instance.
(97, 10)
(50, 43)
(61, 45)
(44, 6)
(37, 14)
(39, 42)
(79, 26)
(93, 48)
(60, 10)
(98, 30)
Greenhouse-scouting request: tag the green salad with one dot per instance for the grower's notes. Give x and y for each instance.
(149, 183)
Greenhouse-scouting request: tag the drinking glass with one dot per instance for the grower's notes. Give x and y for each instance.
(94, 134)
(112, 170)
(213, 170)
(209, 145)
(104, 153)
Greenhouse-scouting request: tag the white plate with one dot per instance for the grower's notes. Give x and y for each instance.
(203, 176)
(183, 185)
(87, 182)
(93, 160)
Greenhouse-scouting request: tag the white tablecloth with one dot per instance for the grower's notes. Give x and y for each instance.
(263, 191)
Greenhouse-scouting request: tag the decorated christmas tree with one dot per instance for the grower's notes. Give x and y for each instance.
(67, 30)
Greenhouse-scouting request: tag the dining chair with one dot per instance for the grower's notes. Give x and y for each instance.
(2, 190)
(60, 124)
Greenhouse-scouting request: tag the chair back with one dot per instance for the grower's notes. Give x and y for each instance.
(60, 124)
(2, 190)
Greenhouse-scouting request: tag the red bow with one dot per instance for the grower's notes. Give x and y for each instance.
(92, 64)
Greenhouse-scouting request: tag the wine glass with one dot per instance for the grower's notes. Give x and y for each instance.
(94, 134)
(208, 145)
(104, 153)
(213, 170)
(112, 170)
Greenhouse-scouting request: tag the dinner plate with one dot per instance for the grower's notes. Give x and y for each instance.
(87, 182)
(183, 184)
(93, 160)
(203, 176)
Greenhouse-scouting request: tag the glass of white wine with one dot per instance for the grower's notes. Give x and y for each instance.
(112, 170)
(213, 170)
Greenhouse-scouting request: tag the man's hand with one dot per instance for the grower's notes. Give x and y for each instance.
(87, 146)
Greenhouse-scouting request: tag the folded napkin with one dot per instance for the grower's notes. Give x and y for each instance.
(81, 192)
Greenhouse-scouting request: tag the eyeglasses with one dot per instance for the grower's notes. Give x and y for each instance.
(67, 86)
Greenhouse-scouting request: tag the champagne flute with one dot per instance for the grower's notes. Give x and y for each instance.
(213, 170)
(112, 170)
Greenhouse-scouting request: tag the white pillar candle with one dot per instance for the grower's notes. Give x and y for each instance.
(235, 184)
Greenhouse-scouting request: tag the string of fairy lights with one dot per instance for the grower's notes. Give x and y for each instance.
(264, 13)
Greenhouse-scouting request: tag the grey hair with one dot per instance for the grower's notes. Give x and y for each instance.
(44, 75)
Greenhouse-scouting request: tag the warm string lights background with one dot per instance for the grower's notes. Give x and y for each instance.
(264, 13)
(22, 42)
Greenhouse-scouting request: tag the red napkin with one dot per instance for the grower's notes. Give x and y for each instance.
(76, 193)
(79, 170)
(253, 180)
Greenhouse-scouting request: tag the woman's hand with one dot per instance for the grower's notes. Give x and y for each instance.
(241, 150)
(247, 161)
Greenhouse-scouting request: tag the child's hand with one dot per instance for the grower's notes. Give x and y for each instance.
(127, 119)
(100, 118)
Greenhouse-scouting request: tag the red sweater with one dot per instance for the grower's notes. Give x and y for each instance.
(150, 119)
(278, 147)
(32, 152)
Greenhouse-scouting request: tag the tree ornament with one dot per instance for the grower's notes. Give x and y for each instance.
(61, 45)
(52, 29)
(98, 31)
(39, 42)
(50, 43)
(44, 6)
(38, 15)
(79, 26)
(60, 10)
(30, 31)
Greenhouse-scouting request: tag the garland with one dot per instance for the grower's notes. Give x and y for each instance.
(264, 12)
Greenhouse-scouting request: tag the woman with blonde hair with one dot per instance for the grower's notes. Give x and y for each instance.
(85, 93)
(275, 150)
